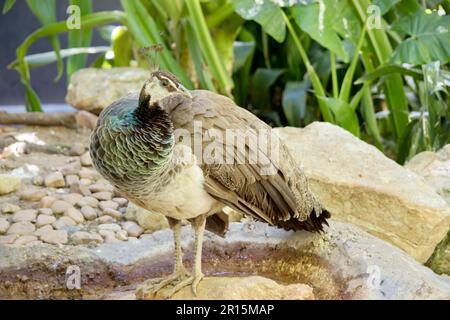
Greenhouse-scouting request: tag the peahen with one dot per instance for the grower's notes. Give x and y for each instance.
(187, 154)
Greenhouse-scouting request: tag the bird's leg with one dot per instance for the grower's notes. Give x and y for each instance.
(152, 286)
(198, 224)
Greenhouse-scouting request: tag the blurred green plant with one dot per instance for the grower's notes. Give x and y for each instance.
(377, 68)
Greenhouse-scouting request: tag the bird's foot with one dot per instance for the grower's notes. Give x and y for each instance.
(193, 280)
(151, 288)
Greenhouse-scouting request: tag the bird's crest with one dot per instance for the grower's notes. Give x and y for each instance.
(152, 55)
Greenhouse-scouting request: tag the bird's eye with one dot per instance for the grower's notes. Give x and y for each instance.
(164, 82)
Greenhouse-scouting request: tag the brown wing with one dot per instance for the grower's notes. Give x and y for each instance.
(259, 177)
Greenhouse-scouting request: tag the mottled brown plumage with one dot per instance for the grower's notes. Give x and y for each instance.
(169, 150)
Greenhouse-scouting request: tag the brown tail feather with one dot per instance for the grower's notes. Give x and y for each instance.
(312, 224)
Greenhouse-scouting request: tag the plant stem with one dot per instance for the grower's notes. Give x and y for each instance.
(347, 83)
(315, 80)
(217, 68)
(334, 78)
(265, 45)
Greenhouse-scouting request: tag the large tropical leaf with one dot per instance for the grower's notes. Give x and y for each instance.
(327, 21)
(79, 38)
(385, 5)
(428, 40)
(45, 11)
(268, 14)
(294, 102)
(262, 80)
(345, 116)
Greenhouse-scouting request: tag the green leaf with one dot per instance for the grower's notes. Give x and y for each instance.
(385, 70)
(294, 102)
(79, 38)
(45, 58)
(266, 13)
(8, 5)
(345, 116)
(45, 11)
(262, 80)
(122, 46)
(242, 52)
(429, 39)
(406, 141)
(316, 19)
(385, 5)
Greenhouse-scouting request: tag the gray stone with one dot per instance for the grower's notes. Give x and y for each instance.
(54, 180)
(24, 215)
(60, 206)
(9, 184)
(86, 159)
(89, 213)
(132, 228)
(358, 184)
(4, 225)
(75, 215)
(94, 89)
(55, 237)
(32, 195)
(10, 208)
(103, 205)
(21, 228)
(44, 219)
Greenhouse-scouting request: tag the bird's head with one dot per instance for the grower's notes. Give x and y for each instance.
(161, 85)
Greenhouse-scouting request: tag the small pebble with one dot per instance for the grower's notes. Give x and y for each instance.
(71, 179)
(87, 173)
(121, 201)
(88, 201)
(63, 222)
(122, 235)
(88, 212)
(105, 219)
(77, 149)
(85, 181)
(25, 239)
(86, 159)
(32, 195)
(54, 180)
(43, 230)
(71, 198)
(9, 184)
(60, 206)
(8, 239)
(55, 237)
(4, 225)
(37, 181)
(47, 201)
(21, 228)
(46, 211)
(80, 188)
(103, 205)
(103, 195)
(109, 226)
(24, 215)
(111, 212)
(75, 215)
(10, 208)
(44, 219)
(71, 168)
(99, 187)
(83, 237)
(132, 228)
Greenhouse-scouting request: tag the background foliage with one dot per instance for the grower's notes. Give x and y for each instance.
(377, 68)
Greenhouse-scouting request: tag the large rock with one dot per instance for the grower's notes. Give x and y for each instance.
(241, 288)
(359, 185)
(94, 89)
(343, 263)
(434, 167)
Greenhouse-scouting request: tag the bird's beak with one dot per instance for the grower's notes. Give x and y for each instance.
(185, 91)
